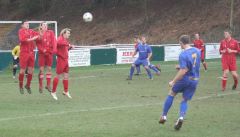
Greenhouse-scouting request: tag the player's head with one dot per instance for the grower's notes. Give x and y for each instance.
(184, 41)
(136, 39)
(43, 26)
(144, 39)
(65, 33)
(25, 24)
(197, 36)
(227, 34)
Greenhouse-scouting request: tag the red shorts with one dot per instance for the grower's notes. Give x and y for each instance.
(45, 60)
(26, 60)
(229, 64)
(62, 66)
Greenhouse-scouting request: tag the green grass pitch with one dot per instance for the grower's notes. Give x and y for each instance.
(104, 104)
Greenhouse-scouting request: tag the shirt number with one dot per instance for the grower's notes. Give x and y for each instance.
(194, 56)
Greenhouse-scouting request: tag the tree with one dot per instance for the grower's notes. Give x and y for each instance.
(231, 15)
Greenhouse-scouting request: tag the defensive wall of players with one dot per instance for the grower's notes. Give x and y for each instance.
(115, 54)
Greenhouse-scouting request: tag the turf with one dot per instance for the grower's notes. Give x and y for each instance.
(104, 104)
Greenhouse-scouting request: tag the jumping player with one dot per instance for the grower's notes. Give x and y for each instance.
(199, 43)
(46, 44)
(62, 67)
(185, 81)
(26, 38)
(229, 49)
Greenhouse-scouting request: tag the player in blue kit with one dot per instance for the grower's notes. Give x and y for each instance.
(155, 68)
(185, 81)
(145, 53)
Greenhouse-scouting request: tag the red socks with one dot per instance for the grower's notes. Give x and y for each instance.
(29, 79)
(20, 78)
(65, 85)
(40, 78)
(55, 83)
(224, 83)
(48, 78)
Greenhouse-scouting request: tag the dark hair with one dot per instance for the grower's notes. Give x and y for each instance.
(25, 21)
(228, 30)
(185, 39)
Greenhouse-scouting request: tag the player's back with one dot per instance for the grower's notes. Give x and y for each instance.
(192, 58)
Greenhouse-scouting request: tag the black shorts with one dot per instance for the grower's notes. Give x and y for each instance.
(15, 61)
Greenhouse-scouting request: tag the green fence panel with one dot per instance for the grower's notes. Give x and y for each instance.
(5, 59)
(103, 56)
(158, 53)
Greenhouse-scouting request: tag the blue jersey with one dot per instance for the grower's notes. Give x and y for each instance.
(190, 59)
(143, 50)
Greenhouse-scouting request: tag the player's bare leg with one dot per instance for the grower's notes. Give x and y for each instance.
(224, 79)
(204, 64)
(235, 78)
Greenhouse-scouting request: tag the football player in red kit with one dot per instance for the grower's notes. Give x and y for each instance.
(199, 43)
(46, 44)
(229, 49)
(62, 67)
(26, 38)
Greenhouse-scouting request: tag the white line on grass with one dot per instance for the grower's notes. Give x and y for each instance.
(109, 108)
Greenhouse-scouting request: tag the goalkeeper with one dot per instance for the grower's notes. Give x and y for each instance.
(15, 54)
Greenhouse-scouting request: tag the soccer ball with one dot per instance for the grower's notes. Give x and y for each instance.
(87, 17)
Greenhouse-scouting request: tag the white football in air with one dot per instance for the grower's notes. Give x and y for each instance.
(87, 17)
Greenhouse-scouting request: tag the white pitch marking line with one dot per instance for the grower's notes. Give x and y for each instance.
(109, 108)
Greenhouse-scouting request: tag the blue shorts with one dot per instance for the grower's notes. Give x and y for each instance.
(141, 62)
(187, 87)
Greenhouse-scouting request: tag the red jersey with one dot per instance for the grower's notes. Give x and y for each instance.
(62, 47)
(24, 35)
(136, 45)
(47, 42)
(199, 44)
(232, 44)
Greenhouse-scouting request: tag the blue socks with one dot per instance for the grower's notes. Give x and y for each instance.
(151, 66)
(167, 105)
(149, 73)
(131, 72)
(183, 108)
(138, 69)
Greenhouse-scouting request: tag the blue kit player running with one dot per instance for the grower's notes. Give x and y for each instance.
(145, 53)
(185, 81)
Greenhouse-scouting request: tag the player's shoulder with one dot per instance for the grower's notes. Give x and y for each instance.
(21, 30)
(223, 41)
(50, 31)
(234, 40)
